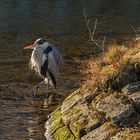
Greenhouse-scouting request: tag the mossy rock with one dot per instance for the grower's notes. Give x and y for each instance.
(53, 123)
(55, 128)
(63, 133)
(72, 94)
(84, 122)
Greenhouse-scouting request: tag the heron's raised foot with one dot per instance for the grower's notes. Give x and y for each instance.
(33, 91)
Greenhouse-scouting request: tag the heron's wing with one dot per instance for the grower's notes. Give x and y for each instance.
(53, 68)
(54, 62)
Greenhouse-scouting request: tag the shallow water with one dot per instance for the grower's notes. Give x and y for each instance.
(62, 23)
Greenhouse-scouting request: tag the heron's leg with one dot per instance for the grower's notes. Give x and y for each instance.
(47, 81)
(48, 84)
(36, 87)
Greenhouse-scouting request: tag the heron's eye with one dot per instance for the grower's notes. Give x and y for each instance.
(40, 42)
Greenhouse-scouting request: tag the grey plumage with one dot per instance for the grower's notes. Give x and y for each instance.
(46, 60)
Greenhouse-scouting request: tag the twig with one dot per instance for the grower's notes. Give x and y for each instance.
(94, 29)
(92, 32)
(77, 60)
(103, 43)
(114, 41)
(137, 35)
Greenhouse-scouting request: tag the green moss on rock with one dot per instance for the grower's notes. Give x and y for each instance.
(63, 133)
(84, 122)
(77, 129)
(54, 122)
(55, 129)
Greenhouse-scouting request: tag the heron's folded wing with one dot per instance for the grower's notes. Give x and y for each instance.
(53, 68)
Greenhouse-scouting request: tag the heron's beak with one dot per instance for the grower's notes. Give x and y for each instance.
(30, 47)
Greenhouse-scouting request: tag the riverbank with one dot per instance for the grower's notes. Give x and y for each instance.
(107, 104)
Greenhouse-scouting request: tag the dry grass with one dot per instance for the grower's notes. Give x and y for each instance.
(115, 68)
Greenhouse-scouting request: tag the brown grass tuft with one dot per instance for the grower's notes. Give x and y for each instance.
(115, 68)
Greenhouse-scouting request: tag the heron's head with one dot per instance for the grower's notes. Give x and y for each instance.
(40, 42)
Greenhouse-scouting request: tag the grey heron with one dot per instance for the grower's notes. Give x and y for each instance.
(46, 61)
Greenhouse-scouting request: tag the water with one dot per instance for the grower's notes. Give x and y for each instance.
(61, 22)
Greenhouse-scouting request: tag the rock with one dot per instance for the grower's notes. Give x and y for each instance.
(105, 132)
(53, 123)
(80, 119)
(127, 134)
(99, 110)
(131, 88)
(74, 112)
(133, 92)
(70, 101)
(114, 109)
(84, 122)
(78, 116)
(55, 128)
(63, 133)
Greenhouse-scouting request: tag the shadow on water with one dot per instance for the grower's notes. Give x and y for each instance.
(62, 23)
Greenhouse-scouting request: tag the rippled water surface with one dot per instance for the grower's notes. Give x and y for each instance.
(23, 117)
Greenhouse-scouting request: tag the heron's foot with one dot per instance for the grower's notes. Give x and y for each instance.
(34, 90)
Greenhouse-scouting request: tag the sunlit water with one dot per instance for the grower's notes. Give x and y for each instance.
(62, 23)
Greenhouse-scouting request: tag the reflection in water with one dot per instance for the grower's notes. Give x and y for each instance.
(62, 23)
